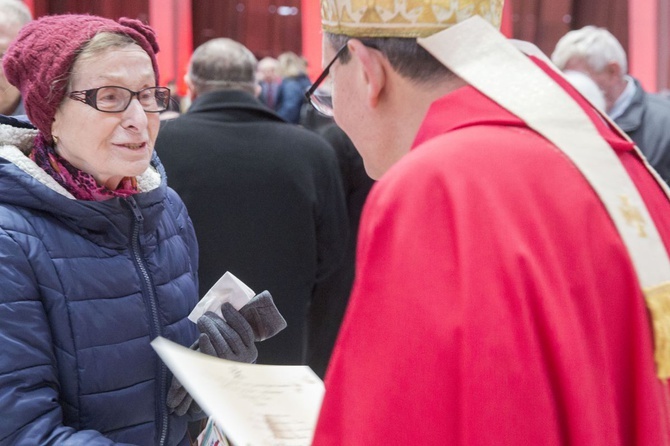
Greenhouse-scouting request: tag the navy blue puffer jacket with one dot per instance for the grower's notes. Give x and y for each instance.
(84, 287)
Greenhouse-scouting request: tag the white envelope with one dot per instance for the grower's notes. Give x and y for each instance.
(227, 289)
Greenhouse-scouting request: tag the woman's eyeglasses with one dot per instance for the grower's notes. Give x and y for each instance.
(113, 99)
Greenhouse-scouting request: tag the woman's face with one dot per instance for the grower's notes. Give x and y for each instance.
(109, 146)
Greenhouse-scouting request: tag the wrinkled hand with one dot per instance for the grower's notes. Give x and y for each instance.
(230, 337)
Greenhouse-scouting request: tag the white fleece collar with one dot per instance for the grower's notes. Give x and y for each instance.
(18, 142)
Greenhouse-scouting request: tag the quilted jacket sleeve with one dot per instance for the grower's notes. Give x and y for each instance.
(29, 387)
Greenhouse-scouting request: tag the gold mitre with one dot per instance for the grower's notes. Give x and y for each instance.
(403, 18)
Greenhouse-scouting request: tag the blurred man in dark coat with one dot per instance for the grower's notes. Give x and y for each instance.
(357, 185)
(265, 196)
(267, 74)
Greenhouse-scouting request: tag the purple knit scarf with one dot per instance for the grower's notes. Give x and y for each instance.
(79, 183)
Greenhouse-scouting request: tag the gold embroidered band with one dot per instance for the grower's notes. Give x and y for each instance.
(403, 18)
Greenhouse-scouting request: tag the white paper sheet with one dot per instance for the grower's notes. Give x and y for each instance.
(227, 289)
(255, 405)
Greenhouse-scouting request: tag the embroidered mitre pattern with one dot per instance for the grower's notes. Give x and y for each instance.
(403, 18)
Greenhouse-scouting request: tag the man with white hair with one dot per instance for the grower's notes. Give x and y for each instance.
(643, 116)
(13, 15)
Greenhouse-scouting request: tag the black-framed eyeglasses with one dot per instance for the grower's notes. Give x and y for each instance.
(322, 100)
(113, 99)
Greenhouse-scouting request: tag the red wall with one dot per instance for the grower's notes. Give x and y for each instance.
(642, 27)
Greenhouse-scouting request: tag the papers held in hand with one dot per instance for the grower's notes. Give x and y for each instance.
(254, 405)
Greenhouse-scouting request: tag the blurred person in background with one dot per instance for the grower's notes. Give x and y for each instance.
(175, 97)
(265, 197)
(645, 117)
(586, 86)
(268, 77)
(291, 95)
(14, 14)
(357, 185)
(174, 107)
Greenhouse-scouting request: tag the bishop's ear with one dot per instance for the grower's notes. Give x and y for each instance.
(373, 67)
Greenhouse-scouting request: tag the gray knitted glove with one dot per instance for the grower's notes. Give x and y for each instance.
(232, 338)
(263, 316)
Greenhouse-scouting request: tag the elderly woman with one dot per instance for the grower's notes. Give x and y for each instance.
(98, 254)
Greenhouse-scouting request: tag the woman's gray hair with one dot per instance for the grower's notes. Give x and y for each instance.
(100, 43)
(223, 64)
(103, 41)
(405, 55)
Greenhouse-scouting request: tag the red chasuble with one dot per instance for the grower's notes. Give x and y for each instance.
(495, 303)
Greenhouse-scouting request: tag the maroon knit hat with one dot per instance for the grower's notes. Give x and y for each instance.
(40, 59)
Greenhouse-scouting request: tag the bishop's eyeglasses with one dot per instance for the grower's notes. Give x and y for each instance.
(113, 99)
(322, 99)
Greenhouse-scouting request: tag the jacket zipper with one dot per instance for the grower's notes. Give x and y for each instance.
(150, 300)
